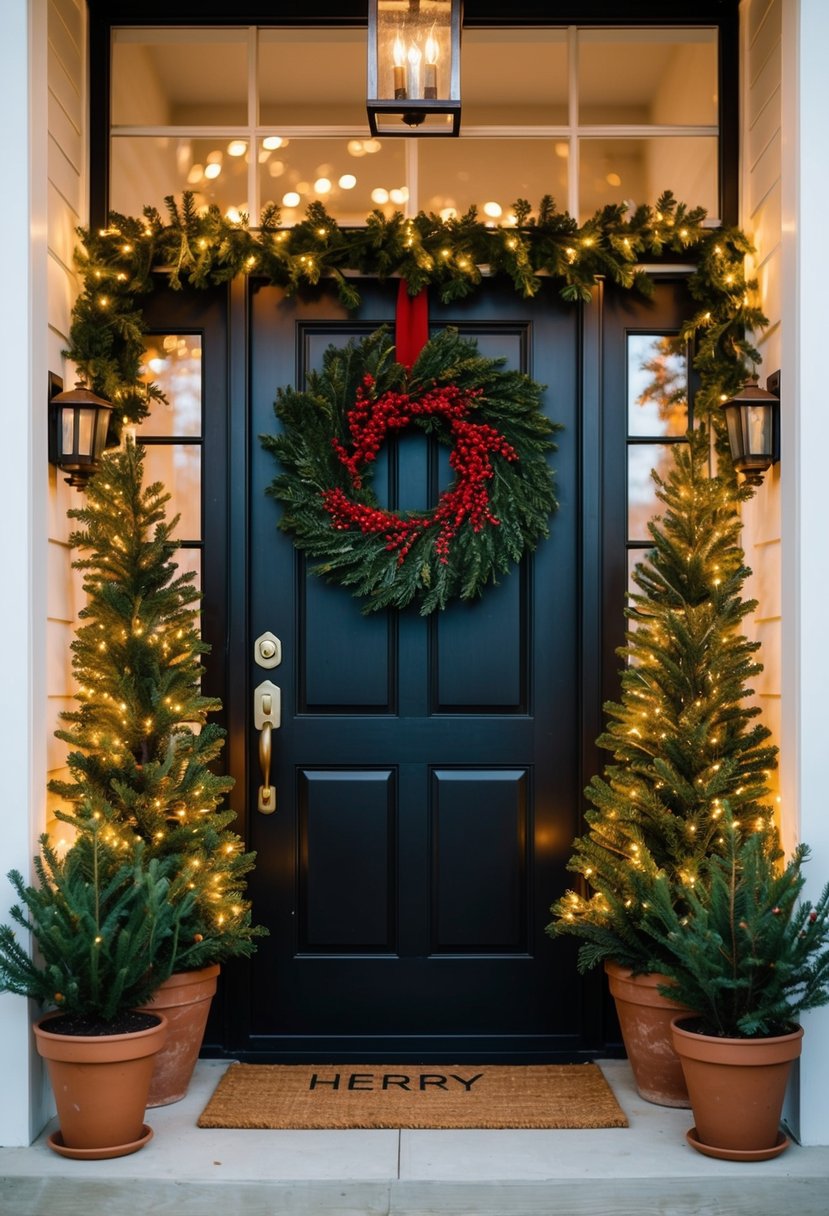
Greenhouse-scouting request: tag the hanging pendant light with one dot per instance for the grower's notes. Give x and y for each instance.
(414, 53)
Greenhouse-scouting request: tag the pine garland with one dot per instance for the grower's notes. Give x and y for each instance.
(495, 510)
(451, 257)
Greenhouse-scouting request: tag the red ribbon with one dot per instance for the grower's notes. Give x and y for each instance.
(411, 324)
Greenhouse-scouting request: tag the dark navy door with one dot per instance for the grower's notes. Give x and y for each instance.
(426, 770)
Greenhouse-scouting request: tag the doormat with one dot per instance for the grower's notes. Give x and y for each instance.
(412, 1096)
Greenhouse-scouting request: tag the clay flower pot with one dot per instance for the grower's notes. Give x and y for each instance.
(184, 999)
(645, 1021)
(737, 1087)
(100, 1083)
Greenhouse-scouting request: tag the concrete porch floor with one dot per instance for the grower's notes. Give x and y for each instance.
(645, 1169)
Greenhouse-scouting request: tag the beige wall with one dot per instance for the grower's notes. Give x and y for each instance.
(67, 208)
(761, 218)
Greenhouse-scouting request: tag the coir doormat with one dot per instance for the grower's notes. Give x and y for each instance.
(412, 1095)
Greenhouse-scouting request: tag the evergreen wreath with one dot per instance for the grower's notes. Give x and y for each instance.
(495, 509)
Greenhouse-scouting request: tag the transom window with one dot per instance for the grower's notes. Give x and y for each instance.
(249, 116)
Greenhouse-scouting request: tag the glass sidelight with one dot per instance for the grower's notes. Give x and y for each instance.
(658, 416)
(173, 435)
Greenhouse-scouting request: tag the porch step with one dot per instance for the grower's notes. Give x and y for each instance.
(638, 1171)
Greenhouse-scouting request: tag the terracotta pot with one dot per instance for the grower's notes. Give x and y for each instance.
(100, 1083)
(645, 1020)
(737, 1088)
(184, 999)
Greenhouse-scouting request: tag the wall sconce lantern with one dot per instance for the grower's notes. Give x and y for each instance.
(414, 67)
(78, 426)
(752, 417)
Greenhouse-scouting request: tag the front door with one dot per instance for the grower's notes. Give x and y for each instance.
(425, 769)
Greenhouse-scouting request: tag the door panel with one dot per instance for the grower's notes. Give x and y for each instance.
(426, 768)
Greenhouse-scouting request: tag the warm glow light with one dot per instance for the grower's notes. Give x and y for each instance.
(379, 195)
(398, 53)
(347, 182)
(613, 179)
(291, 199)
(272, 142)
(237, 147)
(399, 196)
(212, 170)
(355, 147)
(494, 210)
(322, 185)
(432, 48)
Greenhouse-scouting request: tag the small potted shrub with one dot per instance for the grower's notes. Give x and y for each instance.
(106, 933)
(743, 951)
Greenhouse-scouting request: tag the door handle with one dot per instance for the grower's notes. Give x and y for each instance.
(267, 715)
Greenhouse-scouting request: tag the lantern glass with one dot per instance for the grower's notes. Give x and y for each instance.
(414, 67)
(750, 435)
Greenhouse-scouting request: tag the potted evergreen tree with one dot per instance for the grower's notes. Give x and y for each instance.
(740, 948)
(107, 934)
(683, 741)
(141, 742)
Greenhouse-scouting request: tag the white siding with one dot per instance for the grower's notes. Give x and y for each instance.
(67, 190)
(761, 218)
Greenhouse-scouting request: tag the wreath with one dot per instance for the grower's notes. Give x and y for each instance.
(495, 509)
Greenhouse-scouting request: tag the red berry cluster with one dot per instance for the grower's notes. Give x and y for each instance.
(371, 419)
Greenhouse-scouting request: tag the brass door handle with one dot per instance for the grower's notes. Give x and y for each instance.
(267, 798)
(267, 707)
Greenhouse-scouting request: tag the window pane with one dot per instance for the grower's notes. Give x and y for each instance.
(639, 170)
(635, 556)
(455, 173)
(312, 77)
(657, 385)
(648, 76)
(514, 76)
(189, 559)
(178, 466)
(643, 504)
(174, 363)
(350, 176)
(146, 168)
(179, 77)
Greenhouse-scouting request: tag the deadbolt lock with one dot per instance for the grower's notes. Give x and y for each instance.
(267, 650)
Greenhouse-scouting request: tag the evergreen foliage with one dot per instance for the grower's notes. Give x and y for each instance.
(316, 424)
(684, 741)
(141, 745)
(104, 923)
(201, 248)
(738, 946)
